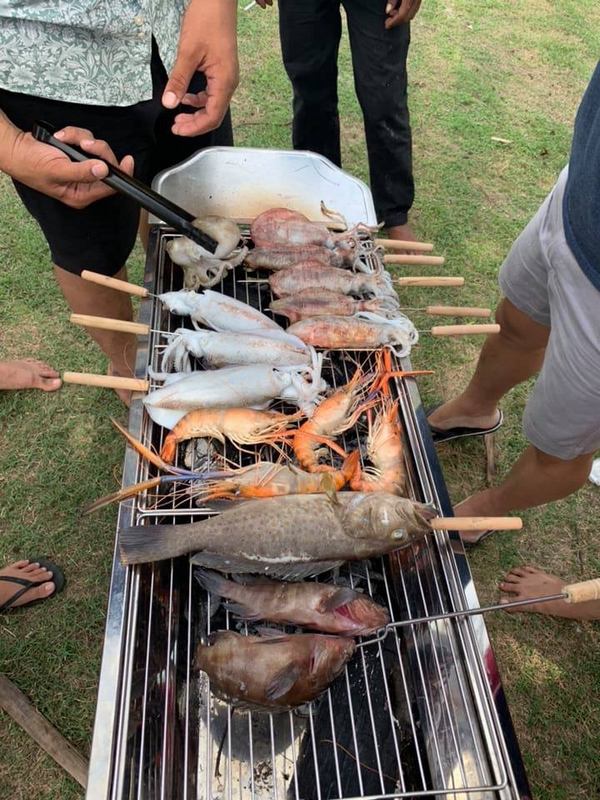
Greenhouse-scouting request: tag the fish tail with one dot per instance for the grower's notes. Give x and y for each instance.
(141, 544)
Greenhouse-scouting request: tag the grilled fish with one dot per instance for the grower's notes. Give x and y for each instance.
(290, 537)
(318, 606)
(272, 673)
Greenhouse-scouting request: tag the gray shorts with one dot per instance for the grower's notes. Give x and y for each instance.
(543, 280)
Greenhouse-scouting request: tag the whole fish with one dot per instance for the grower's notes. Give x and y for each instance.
(289, 537)
(272, 673)
(319, 606)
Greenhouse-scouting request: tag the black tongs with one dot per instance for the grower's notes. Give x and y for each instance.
(156, 204)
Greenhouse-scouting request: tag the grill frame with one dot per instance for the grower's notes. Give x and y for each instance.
(110, 776)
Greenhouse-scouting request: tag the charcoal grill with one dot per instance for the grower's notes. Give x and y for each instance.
(422, 714)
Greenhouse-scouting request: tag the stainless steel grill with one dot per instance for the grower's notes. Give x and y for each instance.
(419, 715)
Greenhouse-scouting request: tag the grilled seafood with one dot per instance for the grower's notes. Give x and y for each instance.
(384, 450)
(296, 279)
(225, 349)
(242, 426)
(267, 479)
(235, 387)
(363, 330)
(222, 230)
(324, 302)
(290, 537)
(286, 256)
(201, 272)
(273, 673)
(318, 606)
(332, 417)
(217, 311)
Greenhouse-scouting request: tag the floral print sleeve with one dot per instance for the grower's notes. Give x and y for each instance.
(86, 51)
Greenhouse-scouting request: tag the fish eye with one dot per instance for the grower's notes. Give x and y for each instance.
(399, 533)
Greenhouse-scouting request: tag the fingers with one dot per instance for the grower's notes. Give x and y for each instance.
(178, 82)
(195, 100)
(212, 106)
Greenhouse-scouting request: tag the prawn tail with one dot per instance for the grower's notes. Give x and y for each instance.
(122, 494)
(169, 448)
(351, 467)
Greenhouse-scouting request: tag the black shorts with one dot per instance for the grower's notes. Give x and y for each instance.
(101, 236)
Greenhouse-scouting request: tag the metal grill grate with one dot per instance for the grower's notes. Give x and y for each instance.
(410, 717)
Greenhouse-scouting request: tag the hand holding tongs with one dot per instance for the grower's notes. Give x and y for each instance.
(147, 198)
(581, 592)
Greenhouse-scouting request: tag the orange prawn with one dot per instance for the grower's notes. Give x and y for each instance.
(385, 452)
(242, 426)
(268, 479)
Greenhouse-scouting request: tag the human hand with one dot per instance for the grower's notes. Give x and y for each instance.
(43, 167)
(399, 12)
(208, 44)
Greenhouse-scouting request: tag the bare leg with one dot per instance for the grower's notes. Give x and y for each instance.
(507, 359)
(535, 478)
(144, 230)
(522, 583)
(402, 232)
(89, 298)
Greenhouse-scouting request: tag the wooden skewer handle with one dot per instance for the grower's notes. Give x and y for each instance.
(400, 244)
(476, 523)
(434, 280)
(406, 258)
(464, 330)
(583, 592)
(114, 283)
(106, 381)
(457, 311)
(107, 324)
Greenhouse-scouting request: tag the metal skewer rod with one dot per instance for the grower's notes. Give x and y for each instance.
(573, 593)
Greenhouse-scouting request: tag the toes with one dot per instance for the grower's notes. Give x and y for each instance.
(19, 564)
(509, 588)
(48, 384)
(518, 572)
(41, 574)
(31, 567)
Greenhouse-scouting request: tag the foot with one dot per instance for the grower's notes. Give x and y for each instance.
(123, 394)
(522, 583)
(28, 374)
(456, 414)
(28, 572)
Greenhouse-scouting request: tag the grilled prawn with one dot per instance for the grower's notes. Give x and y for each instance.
(384, 450)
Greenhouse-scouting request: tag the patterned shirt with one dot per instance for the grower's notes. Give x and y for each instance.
(95, 52)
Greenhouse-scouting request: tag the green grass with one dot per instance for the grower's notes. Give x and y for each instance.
(478, 70)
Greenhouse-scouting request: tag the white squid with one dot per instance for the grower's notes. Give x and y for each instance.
(233, 387)
(226, 349)
(217, 311)
(199, 271)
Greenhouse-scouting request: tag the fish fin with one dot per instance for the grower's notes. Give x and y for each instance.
(211, 581)
(241, 611)
(141, 544)
(239, 564)
(282, 682)
(272, 634)
(329, 488)
(342, 597)
(251, 580)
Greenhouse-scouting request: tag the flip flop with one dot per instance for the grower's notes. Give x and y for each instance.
(477, 541)
(438, 435)
(58, 579)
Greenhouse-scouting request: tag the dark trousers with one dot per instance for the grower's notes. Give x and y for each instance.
(310, 33)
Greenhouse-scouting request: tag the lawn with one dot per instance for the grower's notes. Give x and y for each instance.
(479, 69)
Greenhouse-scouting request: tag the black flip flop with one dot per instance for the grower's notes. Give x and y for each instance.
(476, 542)
(438, 435)
(58, 579)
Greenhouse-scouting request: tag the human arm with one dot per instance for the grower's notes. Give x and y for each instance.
(43, 167)
(208, 44)
(399, 12)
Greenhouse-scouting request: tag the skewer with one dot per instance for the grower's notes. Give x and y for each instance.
(434, 280)
(400, 244)
(581, 592)
(140, 329)
(450, 311)
(115, 283)
(407, 258)
(106, 381)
